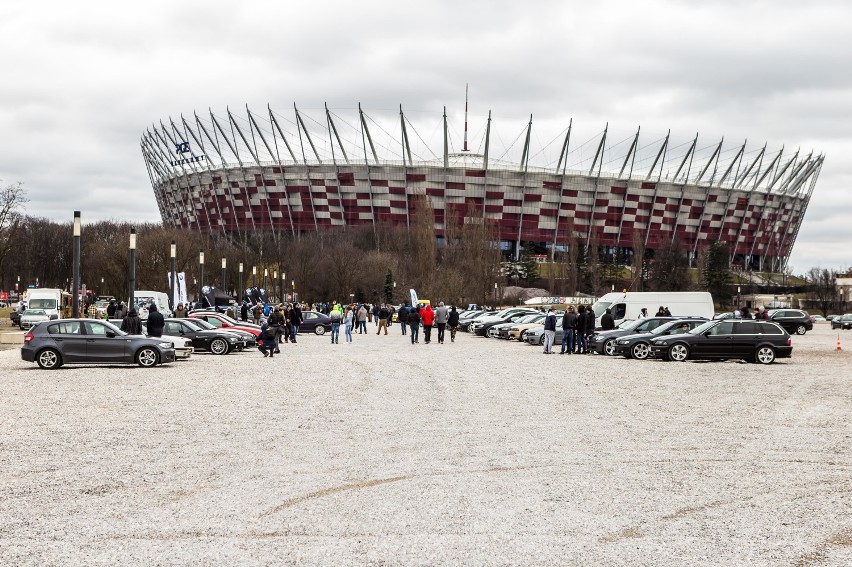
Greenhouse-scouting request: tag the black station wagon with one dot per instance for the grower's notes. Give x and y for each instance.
(754, 341)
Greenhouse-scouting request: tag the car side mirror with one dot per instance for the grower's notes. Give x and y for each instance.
(707, 334)
(110, 334)
(54, 317)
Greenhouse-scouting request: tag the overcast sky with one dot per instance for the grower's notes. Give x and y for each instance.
(83, 80)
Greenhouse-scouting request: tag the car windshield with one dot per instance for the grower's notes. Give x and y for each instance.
(113, 328)
(202, 323)
(35, 312)
(701, 329)
(600, 307)
(630, 325)
(527, 319)
(229, 320)
(42, 304)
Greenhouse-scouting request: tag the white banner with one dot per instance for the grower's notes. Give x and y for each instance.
(180, 288)
(413, 297)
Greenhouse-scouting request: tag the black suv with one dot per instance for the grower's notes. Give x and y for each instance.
(793, 320)
(753, 341)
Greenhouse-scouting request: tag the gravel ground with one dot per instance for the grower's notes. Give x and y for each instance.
(481, 452)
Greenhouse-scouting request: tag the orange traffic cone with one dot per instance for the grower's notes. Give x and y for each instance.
(838, 347)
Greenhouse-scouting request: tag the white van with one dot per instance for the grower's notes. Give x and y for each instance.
(628, 305)
(48, 299)
(144, 298)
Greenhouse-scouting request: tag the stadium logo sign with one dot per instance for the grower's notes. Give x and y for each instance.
(183, 148)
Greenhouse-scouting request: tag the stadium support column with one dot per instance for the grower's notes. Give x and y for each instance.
(631, 157)
(525, 159)
(224, 274)
(446, 142)
(406, 151)
(200, 275)
(563, 165)
(240, 284)
(75, 285)
(598, 154)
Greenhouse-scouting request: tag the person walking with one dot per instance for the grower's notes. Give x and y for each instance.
(111, 309)
(180, 312)
(132, 324)
(441, 317)
(350, 318)
(414, 324)
(156, 321)
(569, 324)
(402, 317)
(549, 332)
(336, 317)
(256, 312)
(362, 319)
(383, 315)
(295, 321)
(120, 311)
(244, 311)
(453, 323)
(428, 317)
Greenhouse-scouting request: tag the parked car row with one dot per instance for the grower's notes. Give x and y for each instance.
(664, 338)
(842, 322)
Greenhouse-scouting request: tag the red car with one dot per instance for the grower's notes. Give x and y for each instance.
(224, 322)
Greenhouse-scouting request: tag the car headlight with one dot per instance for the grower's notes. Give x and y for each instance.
(166, 345)
(232, 339)
(622, 342)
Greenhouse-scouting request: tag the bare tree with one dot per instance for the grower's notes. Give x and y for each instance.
(822, 288)
(12, 199)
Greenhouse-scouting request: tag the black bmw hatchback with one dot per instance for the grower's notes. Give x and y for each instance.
(753, 341)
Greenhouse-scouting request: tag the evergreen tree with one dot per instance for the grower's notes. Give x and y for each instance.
(388, 289)
(716, 273)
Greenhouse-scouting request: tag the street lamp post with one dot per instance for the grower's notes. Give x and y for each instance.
(274, 285)
(293, 285)
(75, 293)
(101, 291)
(254, 276)
(738, 297)
(283, 287)
(200, 276)
(240, 282)
(394, 293)
(495, 295)
(224, 274)
(265, 275)
(131, 279)
(173, 279)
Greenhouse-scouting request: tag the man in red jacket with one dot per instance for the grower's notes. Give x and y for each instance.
(428, 317)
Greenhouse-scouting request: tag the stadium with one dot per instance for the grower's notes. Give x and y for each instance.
(321, 170)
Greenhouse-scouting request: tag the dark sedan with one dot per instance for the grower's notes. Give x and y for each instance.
(753, 341)
(89, 341)
(603, 342)
(315, 322)
(842, 322)
(213, 340)
(638, 346)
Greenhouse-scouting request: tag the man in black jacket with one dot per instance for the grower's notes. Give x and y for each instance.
(295, 321)
(156, 322)
(383, 319)
(569, 325)
(607, 322)
(276, 323)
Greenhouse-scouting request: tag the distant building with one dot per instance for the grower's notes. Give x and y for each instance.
(265, 172)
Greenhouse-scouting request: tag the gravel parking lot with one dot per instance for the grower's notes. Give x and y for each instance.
(481, 452)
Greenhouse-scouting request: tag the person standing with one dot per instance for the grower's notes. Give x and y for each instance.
(441, 317)
(111, 309)
(549, 332)
(414, 324)
(120, 311)
(244, 311)
(350, 318)
(580, 330)
(362, 319)
(402, 317)
(276, 323)
(295, 321)
(156, 321)
(180, 312)
(643, 313)
(453, 323)
(132, 324)
(590, 326)
(256, 312)
(92, 310)
(607, 322)
(336, 317)
(428, 317)
(382, 315)
(569, 324)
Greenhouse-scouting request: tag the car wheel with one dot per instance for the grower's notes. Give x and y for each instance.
(49, 359)
(146, 357)
(640, 351)
(765, 355)
(219, 346)
(801, 330)
(541, 341)
(609, 347)
(319, 330)
(679, 352)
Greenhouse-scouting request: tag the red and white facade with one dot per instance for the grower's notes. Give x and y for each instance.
(225, 174)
